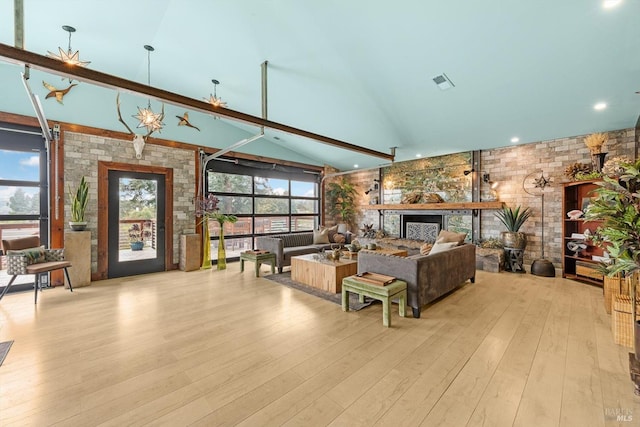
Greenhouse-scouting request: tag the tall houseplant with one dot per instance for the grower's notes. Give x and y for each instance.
(617, 204)
(513, 219)
(79, 201)
(341, 198)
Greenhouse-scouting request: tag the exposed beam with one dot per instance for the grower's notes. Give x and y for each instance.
(18, 23)
(50, 65)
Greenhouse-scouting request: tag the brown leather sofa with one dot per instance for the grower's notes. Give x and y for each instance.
(428, 277)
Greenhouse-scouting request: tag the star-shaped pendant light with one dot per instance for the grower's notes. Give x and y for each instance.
(213, 99)
(148, 119)
(70, 57)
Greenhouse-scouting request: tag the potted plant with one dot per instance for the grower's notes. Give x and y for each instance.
(79, 200)
(513, 220)
(137, 235)
(341, 198)
(616, 203)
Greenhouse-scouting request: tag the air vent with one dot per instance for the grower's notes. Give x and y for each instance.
(443, 82)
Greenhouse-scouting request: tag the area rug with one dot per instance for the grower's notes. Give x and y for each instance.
(354, 304)
(4, 350)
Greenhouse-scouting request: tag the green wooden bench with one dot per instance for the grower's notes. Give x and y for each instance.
(268, 258)
(396, 289)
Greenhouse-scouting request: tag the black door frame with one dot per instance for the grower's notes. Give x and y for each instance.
(102, 271)
(28, 139)
(117, 268)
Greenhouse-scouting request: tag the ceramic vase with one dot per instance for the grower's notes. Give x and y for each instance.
(514, 240)
(598, 161)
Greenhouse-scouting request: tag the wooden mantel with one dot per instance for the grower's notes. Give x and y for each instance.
(435, 206)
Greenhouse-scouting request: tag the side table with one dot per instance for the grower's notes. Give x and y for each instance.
(268, 258)
(395, 289)
(515, 259)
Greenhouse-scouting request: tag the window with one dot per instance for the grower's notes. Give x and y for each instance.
(265, 200)
(23, 189)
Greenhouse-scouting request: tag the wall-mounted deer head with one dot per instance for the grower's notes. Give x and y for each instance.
(139, 141)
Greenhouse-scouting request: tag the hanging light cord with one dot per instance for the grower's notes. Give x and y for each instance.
(148, 74)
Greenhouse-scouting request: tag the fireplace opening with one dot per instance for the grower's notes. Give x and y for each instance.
(421, 227)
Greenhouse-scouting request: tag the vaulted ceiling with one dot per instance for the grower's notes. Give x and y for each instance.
(357, 71)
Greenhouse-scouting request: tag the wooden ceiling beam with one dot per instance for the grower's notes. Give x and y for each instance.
(40, 62)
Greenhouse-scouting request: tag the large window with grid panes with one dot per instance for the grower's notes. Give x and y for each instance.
(266, 200)
(23, 192)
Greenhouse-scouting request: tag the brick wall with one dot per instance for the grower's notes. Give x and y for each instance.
(509, 166)
(363, 181)
(83, 152)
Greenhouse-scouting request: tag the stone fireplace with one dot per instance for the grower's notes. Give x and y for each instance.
(421, 226)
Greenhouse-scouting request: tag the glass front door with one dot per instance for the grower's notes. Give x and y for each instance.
(136, 223)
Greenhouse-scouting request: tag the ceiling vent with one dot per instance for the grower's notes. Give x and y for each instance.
(443, 82)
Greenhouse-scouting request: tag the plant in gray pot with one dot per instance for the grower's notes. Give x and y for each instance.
(513, 220)
(616, 204)
(79, 200)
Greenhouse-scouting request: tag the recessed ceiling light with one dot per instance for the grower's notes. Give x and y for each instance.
(355, 166)
(418, 155)
(608, 4)
(515, 139)
(600, 106)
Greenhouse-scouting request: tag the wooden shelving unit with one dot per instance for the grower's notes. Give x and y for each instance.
(580, 267)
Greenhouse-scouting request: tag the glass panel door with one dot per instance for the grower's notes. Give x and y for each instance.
(136, 223)
(23, 192)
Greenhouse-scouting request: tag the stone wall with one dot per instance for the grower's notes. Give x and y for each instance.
(82, 153)
(510, 165)
(362, 180)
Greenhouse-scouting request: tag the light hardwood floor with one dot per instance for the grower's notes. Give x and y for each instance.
(210, 348)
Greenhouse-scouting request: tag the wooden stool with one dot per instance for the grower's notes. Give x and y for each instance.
(395, 289)
(268, 258)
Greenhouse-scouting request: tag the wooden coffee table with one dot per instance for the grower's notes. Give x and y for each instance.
(322, 274)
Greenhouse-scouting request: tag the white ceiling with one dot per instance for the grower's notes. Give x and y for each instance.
(358, 71)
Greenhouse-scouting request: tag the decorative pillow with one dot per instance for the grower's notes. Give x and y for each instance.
(331, 231)
(320, 236)
(426, 248)
(339, 238)
(34, 255)
(442, 247)
(450, 236)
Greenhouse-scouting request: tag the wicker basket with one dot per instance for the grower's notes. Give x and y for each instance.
(615, 285)
(621, 324)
